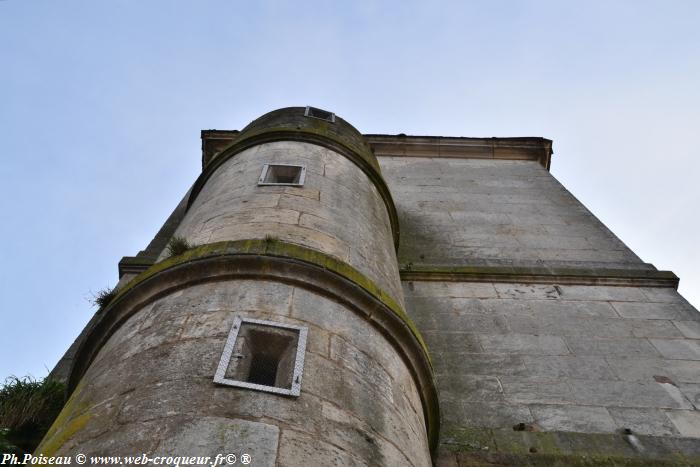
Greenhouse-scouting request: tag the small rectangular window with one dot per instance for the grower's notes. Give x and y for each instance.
(263, 355)
(282, 174)
(321, 114)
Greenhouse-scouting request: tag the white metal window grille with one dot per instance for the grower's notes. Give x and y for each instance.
(264, 356)
(321, 114)
(282, 174)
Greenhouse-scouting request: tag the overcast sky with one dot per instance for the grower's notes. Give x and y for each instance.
(101, 104)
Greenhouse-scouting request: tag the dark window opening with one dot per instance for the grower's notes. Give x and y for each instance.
(261, 353)
(282, 175)
(314, 112)
(263, 370)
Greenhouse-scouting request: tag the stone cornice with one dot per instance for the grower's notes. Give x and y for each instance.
(542, 275)
(215, 141)
(526, 148)
(134, 265)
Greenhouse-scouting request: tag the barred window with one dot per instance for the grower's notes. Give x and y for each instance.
(321, 114)
(282, 174)
(263, 355)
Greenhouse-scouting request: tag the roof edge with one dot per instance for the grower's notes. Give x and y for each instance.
(530, 148)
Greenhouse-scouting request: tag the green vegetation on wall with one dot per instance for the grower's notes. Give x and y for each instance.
(28, 407)
(178, 245)
(103, 297)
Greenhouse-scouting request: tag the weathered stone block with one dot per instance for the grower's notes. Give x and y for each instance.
(628, 394)
(574, 309)
(471, 322)
(574, 367)
(678, 349)
(527, 291)
(354, 436)
(686, 421)
(573, 418)
(453, 341)
(640, 369)
(601, 293)
(361, 363)
(491, 414)
(621, 347)
(643, 421)
(533, 390)
(663, 295)
(690, 329)
(651, 311)
(692, 393)
(454, 362)
(297, 448)
(470, 387)
(216, 435)
(525, 344)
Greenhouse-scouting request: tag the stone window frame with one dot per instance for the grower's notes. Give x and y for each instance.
(309, 112)
(266, 168)
(294, 390)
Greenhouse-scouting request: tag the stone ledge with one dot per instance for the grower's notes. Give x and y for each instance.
(274, 247)
(484, 446)
(525, 148)
(134, 265)
(542, 275)
(215, 141)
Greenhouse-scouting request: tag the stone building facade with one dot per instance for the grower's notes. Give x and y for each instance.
(349, 299)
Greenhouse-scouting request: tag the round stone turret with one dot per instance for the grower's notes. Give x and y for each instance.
(342, 207)
(280, 333)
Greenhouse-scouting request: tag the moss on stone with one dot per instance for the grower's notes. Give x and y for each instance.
(273, 247)
(54, 443)
(521, 442)
(552, 460)
(64, 427)
(467, 440)
(278, 248)
(505, 447)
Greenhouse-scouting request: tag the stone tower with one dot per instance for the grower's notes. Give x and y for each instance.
(290, 299)
(285, 328)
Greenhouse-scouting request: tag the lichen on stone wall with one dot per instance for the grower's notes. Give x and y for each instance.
(65, 427)
(278, 248)
(485, 446)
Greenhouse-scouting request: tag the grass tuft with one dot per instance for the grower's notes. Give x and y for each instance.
(178, 245)
(28, 407)
(102, 298)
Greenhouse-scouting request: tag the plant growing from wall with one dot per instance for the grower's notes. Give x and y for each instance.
(102, 298)
(28, 407)
(178, 245)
